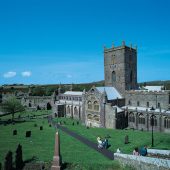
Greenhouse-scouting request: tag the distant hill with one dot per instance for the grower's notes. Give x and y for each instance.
(48, 89)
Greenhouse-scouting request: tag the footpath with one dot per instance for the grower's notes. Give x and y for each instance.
(108, 154)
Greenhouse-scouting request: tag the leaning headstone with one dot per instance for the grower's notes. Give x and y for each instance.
(14, 132)
(41, 127)
(56, 158)
(126, 139)
(28, 134)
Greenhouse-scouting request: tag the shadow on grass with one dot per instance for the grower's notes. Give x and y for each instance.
(8, 122)
(33, 159)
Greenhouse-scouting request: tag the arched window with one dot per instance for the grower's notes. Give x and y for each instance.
(96, 106)
(75, 111)
(89, 105)
(131, 117)
(129, 102)
(113, 77)
(131, 76)
(166, 122)
(89, 116)
(141, 119)
(68, 109)
(153, 120)
(147, 104)
(159, 105)
(96, 118)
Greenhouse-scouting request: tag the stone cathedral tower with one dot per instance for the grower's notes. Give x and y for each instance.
(120, 67)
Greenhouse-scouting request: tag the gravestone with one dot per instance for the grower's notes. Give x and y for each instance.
(49, 125)
(77, 122)
(126, 139)
(56, 159)
(41, 127)
(35, 125)
(73, 123)
(14, 132)
(28, 133)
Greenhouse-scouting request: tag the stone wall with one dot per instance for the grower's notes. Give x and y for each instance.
(140, 98)
(120, 67)
(110, 115)
(142, 163)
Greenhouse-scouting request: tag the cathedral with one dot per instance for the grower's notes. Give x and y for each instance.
(120, 103)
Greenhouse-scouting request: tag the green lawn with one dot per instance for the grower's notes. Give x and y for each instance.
(40, 145)
(79, 156)
(136, 138)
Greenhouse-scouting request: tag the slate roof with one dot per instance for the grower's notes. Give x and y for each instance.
(76, 93)
(111, 92)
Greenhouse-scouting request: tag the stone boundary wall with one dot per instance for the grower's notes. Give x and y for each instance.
(159, 152)
(142, 163)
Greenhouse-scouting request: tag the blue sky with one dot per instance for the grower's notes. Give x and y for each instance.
(53, 41)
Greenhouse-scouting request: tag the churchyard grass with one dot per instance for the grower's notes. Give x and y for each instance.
(40, 146)
(117, 137)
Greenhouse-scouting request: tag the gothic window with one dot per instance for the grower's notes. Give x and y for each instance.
(141, 119)
(96, 118)
(137, 103)
(131, 76)
(147, 104)
(113, 76)
(129, 102)
(89, 116)
(89, 105)
(166, 123)
(96, 106)
(159, 105)
(68, 109)
(75, 111)
(153, 120)
(92, 91)
(131, 117)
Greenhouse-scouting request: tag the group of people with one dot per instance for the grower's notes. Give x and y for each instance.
(102, 143)
(142, 151)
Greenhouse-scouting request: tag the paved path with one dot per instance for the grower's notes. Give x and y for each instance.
(105, 152)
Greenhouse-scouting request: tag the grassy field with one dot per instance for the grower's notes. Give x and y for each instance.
(136, 138)
(40, 146)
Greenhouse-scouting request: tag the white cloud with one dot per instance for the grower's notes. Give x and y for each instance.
(9, 74)
(26, 73)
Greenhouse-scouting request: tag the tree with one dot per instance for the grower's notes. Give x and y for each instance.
(18, 158)
(8, 161)
(11, 106)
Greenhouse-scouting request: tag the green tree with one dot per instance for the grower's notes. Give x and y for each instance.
(11, 106)
(38, 91)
